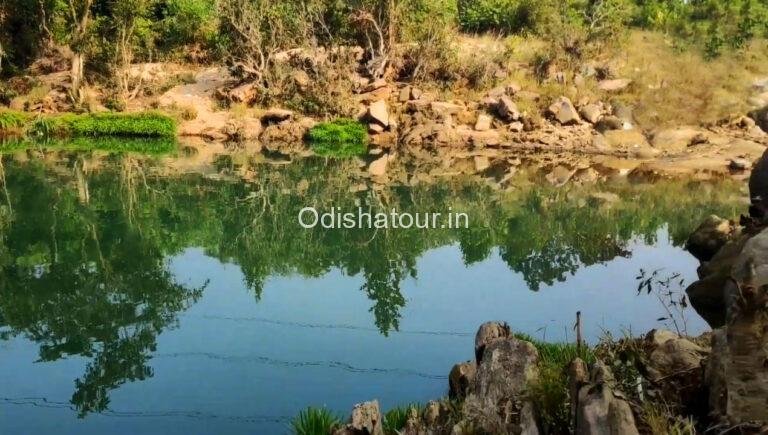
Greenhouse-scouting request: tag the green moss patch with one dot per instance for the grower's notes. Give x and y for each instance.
(340, 138)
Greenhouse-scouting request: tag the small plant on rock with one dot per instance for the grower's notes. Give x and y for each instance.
(396, 418)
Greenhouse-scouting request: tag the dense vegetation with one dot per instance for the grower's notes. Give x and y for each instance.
(103, 37)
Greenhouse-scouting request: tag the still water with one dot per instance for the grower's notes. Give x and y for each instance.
(138, 299)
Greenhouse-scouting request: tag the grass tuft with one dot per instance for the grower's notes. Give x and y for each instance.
(12, 122)
(396, 418)
(339, 138)
(315, 421)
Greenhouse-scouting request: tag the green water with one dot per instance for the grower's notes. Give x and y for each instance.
(138, 300)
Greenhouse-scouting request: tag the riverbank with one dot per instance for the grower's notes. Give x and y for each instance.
(618, 116)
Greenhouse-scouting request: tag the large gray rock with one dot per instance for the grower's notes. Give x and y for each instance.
(601, 410)
(737, 369)
(507, 109)
(758, 189)
(487, 334)
(461, 378)
(379, 112)
(496, 401)
(365, 420)
(675, 367)
(564, 112)
(710, 236)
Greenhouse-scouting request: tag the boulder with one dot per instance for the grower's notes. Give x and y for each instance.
(462, 376)
(678, 139)
(613, 85)
(274, 115)
(483, 122)
(487, 334)
(607, 123)
(707, 295)
(378, 167)
(507, 109)
(245, 93)
(624, 113)
(675, 366)
(758, 189)
(710, 236)
(495, 402)
(601, 409)
(739, 164)
(379, 112)
(591, 113)
(365, 420)
(444, 108)
(739, 365)
(404, 95)
(564, 112)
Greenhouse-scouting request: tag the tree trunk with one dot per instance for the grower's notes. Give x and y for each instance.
(76, 76)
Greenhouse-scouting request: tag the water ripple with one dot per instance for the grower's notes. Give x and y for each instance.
(43, 402)
(328, 326)
(294, 364)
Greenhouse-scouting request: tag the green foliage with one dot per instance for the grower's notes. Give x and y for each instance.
(396, 418)
(143, 124)
(507, 16)
(186, 22)
(550, 398)
(339, 138)
(549, 394)
(315, 421)
(12, 121)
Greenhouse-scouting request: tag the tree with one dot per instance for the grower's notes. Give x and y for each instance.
(80, 16)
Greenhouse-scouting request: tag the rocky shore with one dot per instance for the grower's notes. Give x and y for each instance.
(418, 135)
(659, 383)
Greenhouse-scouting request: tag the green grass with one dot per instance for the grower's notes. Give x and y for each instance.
(549, 394)
(339, 138)
(144, 124)
(12, 122)
(127, 125)
(315, 421)
(395, 418)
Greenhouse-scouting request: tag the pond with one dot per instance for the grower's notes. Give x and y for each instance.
(138, 299)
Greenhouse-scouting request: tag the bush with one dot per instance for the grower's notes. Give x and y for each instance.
(339, 138)
(506, 16)
(315, 421)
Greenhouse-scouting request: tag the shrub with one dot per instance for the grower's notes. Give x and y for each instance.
(315, 421)
(339, 138)
(506, 16)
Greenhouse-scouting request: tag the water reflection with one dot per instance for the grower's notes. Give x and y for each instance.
(85, 243)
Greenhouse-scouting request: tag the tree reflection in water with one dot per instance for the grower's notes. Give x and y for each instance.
(84, 244)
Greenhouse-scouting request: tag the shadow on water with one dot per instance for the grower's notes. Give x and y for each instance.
(84, 244)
